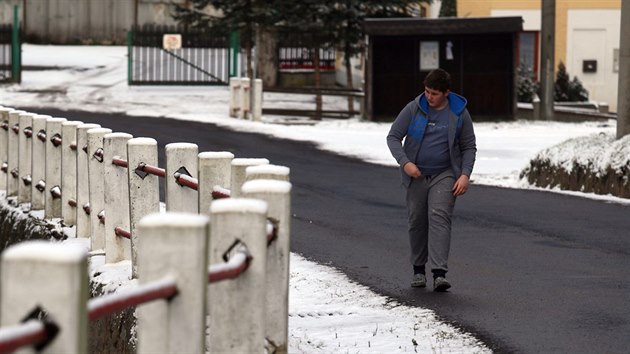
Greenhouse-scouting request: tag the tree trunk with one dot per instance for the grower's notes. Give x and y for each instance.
(349, 84)
(250, 70)
(267, 56)
(318, 83)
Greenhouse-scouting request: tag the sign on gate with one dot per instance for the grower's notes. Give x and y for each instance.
(172, 41)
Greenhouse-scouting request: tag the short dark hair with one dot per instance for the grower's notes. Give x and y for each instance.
(438, 79)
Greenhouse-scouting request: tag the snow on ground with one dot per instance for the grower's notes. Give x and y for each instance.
(328, 313)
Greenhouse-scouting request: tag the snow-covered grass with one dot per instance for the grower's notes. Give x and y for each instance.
(328, 313)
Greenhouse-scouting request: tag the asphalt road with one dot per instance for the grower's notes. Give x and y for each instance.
(532, 272)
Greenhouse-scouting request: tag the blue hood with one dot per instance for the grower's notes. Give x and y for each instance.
(456, 102)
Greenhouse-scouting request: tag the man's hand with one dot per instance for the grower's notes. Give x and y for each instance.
(461, 185)
(412, 170)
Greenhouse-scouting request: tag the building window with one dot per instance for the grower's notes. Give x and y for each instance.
(528, 52)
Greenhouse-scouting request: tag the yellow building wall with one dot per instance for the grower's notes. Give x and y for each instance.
(483, 8)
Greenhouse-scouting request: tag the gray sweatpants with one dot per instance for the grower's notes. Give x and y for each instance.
(430, 204)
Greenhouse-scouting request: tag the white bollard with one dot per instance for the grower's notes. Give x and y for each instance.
(25, 157)
(53, 167)
(237, 306)
(38, 169)
(84, 226)
(53, 278)
(258, 100)
(181, 157)
(144, 189)
(174, 244)
(214, 170)
(275, 172)
(237, 176)
(4, 146)
(116, 198)
(244, 96)
(277, 194)
(235, 99)
(12, 158)
(69, 168)
(96, 186)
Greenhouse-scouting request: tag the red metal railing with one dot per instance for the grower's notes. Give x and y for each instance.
(55, 192)
(237, 265)
(272, 231)
(219, 192)
(160, 172)
(119, 162)
(165, 288)
(186, 181)
(87, 209)
(56, 140)
(120, 232)
(31, 332)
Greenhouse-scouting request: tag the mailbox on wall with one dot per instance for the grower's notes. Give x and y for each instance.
(589, 66)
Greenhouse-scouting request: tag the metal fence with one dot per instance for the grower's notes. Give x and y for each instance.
(296, 52)
(203, 59)
(301, 58)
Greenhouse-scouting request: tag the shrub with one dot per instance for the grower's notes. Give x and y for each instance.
(566, 90)
(526, 86)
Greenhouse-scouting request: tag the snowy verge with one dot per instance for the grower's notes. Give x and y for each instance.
(597, 163)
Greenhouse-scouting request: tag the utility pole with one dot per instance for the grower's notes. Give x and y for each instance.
(547, 58)
(623, 99)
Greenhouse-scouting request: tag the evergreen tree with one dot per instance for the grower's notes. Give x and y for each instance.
(242, 16)
(561, 86)
(448, 8)
(566, 90)
(577, 92)
(527, 87)
(321, 23)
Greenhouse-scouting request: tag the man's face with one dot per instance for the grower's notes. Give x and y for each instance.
(437, 99)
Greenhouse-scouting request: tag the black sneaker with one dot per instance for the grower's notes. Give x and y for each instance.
(440, 284)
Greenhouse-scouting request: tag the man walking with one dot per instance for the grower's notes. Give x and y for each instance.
(436, 161)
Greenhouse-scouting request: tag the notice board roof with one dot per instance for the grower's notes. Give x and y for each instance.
(436, 26)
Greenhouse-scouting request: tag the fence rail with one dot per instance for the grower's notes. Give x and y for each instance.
(182, 275)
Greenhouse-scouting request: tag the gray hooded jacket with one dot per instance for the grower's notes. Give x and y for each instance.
(410, 126)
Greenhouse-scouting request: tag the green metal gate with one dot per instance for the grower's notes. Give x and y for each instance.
(10, 51)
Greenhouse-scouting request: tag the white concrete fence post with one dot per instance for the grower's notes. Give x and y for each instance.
(117, 198)
(144, 189)
(54, 278)
(277, 194)
(214, 170)
(237, 306)
(38, 170)
(53, 167)
(235, 99)
(238, 170)
(13, 158)
(83, 224)
(25, 157)
(174, 244)
(96, 184)
(69, 168)
(4, 146)
(275, 172)
(258, 100)
(244, 98)
(181, 158)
